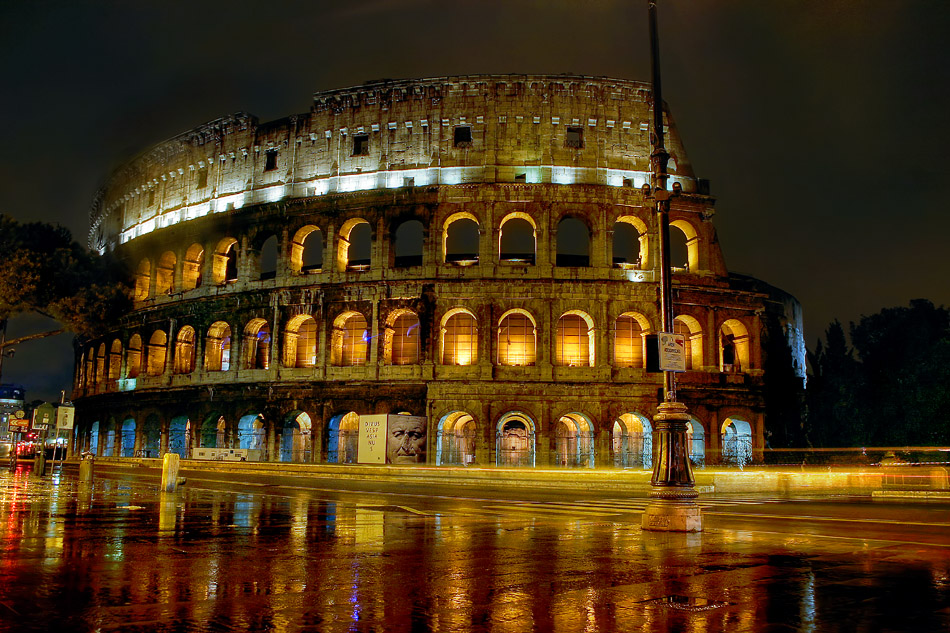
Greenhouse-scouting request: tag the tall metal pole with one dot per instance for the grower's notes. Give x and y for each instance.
(672, 497)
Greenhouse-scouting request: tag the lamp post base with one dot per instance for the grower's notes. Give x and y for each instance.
(672, 515)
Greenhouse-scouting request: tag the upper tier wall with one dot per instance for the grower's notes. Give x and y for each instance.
(389, 134)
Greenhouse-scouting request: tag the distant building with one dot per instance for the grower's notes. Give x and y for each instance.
(11, 401)
(473, 250)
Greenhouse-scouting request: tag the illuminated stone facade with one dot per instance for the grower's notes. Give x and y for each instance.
(477, 250)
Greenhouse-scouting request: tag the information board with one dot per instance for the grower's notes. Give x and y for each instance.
(672, 352)
(372, 441)
(64, 417)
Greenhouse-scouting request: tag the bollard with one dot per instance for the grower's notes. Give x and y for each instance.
(39, 463)
(170, 472)
(85, 468)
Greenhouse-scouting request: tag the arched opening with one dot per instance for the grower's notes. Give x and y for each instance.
(343, 438)
(178, 429)
(185, 350)
(157, 348)
(455, 444)
(734, 347)
(165, 274)
(127, 438)
(225, 264)
(133, 357)
(115, 360)
(514, 439)
(696, 442)
(151, 436)
(402, 340)
(693, 333)
(574, 341)
(407, 244)
(213, 432)
(573, 243)
(460, 239)
(574, 441)
(354, 252)
(101, 359)
(107, 437)
(631, 327)
(736, 442)
(267, 260)
(257, 344)
(459, 338)
(295, 438)
(218, 347)
(516, 339)
(684, 247)
(632, 442)
(517, 242)
(300, 342)
(81, 372)
(192, 267)
(143, 279)
(94, 438)
(350, 340)
(306, 250)
(90, 367)
(630, 243)
(251, 432)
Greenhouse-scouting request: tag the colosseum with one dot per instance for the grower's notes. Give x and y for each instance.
(449, 271)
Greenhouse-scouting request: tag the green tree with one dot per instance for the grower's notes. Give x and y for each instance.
(905, 365)
(834, 419)
(43, 270)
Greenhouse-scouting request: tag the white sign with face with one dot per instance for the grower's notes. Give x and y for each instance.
(406, 439)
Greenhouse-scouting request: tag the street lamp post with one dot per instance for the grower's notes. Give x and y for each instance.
(672, 505)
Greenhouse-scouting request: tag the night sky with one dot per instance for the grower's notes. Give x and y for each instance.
(821, 124)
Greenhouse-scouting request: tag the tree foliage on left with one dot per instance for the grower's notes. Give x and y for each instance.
(43, 270)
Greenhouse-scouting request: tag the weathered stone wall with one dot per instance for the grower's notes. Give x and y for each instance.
(518, 126)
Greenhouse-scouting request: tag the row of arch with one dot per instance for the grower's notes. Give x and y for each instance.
(516, 337)
(517, 243)
(456, 443)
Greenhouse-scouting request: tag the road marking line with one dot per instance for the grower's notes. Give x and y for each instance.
(889, 542)
(831, 519)
(548, 510)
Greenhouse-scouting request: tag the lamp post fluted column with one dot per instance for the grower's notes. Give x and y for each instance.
(672, 505)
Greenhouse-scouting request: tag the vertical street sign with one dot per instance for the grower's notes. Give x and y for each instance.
(65, 415)
(43, 416)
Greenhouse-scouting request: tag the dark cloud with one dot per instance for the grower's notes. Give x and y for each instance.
(821, 123)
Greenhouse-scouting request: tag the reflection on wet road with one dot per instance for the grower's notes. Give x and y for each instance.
(121, 556)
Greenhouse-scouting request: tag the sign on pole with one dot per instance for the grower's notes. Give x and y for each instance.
(64, 417)
(19, 425)
(43, 416)
(672, 352)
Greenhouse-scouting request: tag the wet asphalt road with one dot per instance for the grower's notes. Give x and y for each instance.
(120, 556)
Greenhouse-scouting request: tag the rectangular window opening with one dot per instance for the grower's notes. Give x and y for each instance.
(462, 136)
(575, 137)
(360, 145)
(270, 160)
